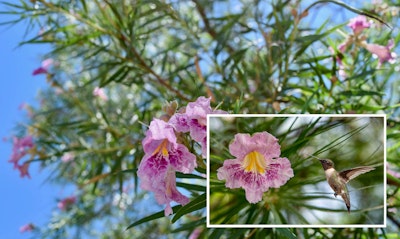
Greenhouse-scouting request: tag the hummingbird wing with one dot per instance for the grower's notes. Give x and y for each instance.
(349, 174)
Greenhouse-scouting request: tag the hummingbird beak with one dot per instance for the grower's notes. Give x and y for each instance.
(313, 156)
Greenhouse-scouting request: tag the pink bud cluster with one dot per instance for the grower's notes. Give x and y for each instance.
(358, 26)
(21, 147)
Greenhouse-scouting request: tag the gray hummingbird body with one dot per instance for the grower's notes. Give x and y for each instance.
(338, 180)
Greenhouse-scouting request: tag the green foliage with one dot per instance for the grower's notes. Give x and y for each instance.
(262, 57)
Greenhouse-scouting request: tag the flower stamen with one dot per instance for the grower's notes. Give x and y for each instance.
(162, 148)
(254, 162)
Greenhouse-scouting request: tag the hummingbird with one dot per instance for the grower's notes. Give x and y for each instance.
(338, 180)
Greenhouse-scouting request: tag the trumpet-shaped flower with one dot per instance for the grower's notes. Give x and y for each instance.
(163, 157)
(21, 147)
(382, 52)
(27, 228)
(358, 24)
(44, 68)
(194, 120)
(23, 170)
(66, 203)
(257, 166)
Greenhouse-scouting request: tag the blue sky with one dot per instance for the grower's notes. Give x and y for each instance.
(23, 200)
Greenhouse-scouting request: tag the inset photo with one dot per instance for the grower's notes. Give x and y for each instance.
(296, 171)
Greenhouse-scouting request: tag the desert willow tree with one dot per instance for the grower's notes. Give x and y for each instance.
(123, 119)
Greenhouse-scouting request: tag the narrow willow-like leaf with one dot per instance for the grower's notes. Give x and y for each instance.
(194, 205)
(191, 225)
(152, 217)
(286, 233)
(188, 175)
(360, 93)
(193, 187)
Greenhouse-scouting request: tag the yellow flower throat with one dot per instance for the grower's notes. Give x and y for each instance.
(162, 148)
(254, 162)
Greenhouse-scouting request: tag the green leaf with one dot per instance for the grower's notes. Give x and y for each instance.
(306, 41)
(132, 170)
(191, 225)
(188, 175)
(360, 93)
(286, 233)
(194, 205)
(152, 217)
(194, 187)
(118, 76)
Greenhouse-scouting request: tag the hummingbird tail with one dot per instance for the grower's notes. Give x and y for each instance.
(346, 199)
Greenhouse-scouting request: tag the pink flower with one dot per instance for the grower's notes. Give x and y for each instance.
(195, 233)
(383, 52)
(66, 203)
(164, 188)
(163, 156)
(27, 228)
(23, 170)
(67, 157)
(21, 147)
(44, 68)
(339, 61)
(194, 120)
(99, 92)
(358, 24)
(257, 166)
(342, 47)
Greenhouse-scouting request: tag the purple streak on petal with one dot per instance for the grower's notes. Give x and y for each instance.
(180, 122)
(182, 160)
(279, 172)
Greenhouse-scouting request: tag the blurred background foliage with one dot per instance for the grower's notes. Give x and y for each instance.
(250, 56)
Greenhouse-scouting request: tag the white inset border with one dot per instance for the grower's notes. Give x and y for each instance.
(296, 225)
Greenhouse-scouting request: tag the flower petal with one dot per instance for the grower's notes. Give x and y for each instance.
(180, 122)
(157, 132)
(166, 192)
(182, 160)
(279, 172)
(358, 24)
(253, 196)
(263, 142)
(257, 166)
